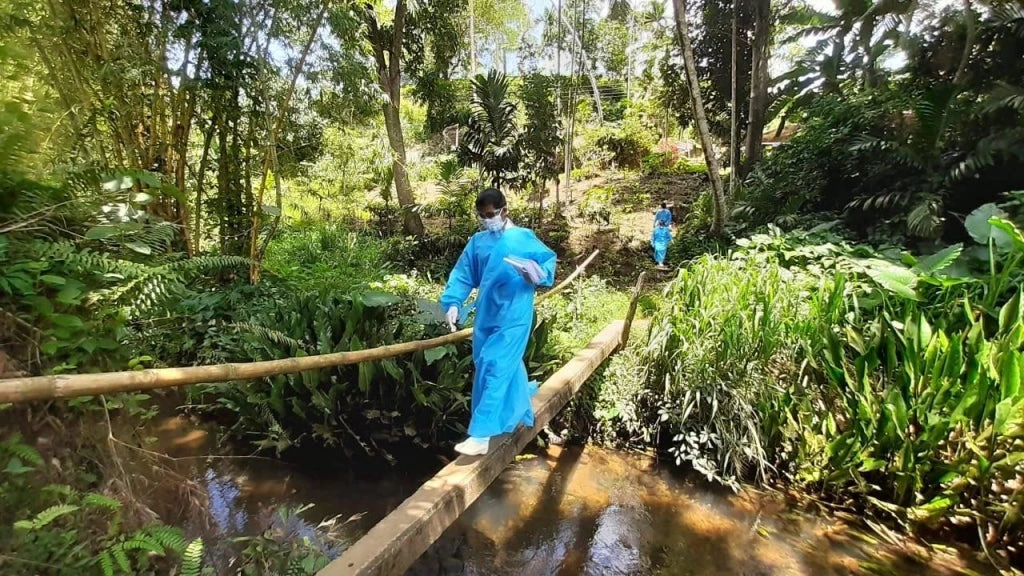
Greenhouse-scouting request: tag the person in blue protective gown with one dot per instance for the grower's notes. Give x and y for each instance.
(661, 236)
(505, 264)
(663, 217)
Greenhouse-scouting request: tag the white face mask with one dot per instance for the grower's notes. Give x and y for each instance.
(494, 224)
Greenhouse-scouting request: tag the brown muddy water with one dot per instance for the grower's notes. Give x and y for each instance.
(555, 511)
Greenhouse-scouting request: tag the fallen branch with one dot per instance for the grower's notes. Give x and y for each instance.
(73, 385)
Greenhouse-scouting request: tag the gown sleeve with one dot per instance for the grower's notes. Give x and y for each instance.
(543, 256)
(547, 264)
(462, 279)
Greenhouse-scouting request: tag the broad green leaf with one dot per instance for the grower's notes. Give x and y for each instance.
(101, 232)
(378, 299)
(1010, 315)
(66, 320)
(893, 278)
(1009, 374)
(1003, 412)
(940, 260)
(139, 247)
(69, 295)
(52, 280)
(42, 305)
(977, 223)
(434, 354)
(1009, 230)
(151, 179)
(932, 511)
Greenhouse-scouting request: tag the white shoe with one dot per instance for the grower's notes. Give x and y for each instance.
(473, 446)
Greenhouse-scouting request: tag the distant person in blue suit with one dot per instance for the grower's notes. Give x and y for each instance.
(661, 236)
(663, 217)
(505, 264)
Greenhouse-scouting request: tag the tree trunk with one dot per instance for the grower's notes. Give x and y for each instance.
(734, 114)
(585, 60)
(759, 81)
(714, 173)
(472, 41)
(558, 94)
(255, 254)
(389, 77)
(197, 235)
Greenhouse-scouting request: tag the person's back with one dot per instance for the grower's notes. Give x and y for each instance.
(663, 217)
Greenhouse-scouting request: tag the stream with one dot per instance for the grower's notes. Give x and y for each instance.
(560, 511)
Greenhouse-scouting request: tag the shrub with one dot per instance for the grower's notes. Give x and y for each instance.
(627, 148)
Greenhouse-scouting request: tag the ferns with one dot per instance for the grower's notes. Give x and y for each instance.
(272, 336)
(100, 501)
(192, 559)
(13, 446)
(46, 517)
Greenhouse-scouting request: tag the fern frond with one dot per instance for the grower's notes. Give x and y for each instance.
(170, 538)
(93, 500)
(121, 557)
(106, 562)
(142, 542)
(192, 558)
(15, 447)
(46, 517)
(271, 335)
(205, 265)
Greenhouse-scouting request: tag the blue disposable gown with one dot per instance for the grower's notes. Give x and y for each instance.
(660, 239)
(504, 317)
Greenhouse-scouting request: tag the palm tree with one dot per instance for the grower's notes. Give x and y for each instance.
(492, 140)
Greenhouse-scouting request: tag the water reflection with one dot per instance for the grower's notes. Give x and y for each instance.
(593, 512)
(565, 512)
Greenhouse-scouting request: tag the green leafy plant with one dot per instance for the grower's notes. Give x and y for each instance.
(492, 141)
(65, 531)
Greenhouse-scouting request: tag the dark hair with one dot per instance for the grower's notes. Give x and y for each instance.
(664, 204)
(490, 197)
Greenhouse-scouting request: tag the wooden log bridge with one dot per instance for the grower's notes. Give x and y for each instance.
(394, 544)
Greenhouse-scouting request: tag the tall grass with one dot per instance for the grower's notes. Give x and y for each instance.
(896, 382)
(725, 345)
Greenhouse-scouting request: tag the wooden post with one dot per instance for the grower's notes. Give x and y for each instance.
(394, 544)
(631, 312)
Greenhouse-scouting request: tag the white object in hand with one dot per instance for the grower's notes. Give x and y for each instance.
(529, 269)
(452, 317)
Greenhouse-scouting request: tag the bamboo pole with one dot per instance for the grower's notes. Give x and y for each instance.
(72, 385)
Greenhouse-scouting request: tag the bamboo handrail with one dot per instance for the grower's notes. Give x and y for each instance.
(72, 385)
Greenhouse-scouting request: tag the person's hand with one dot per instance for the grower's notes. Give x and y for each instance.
(532, 273)
(452, 318)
